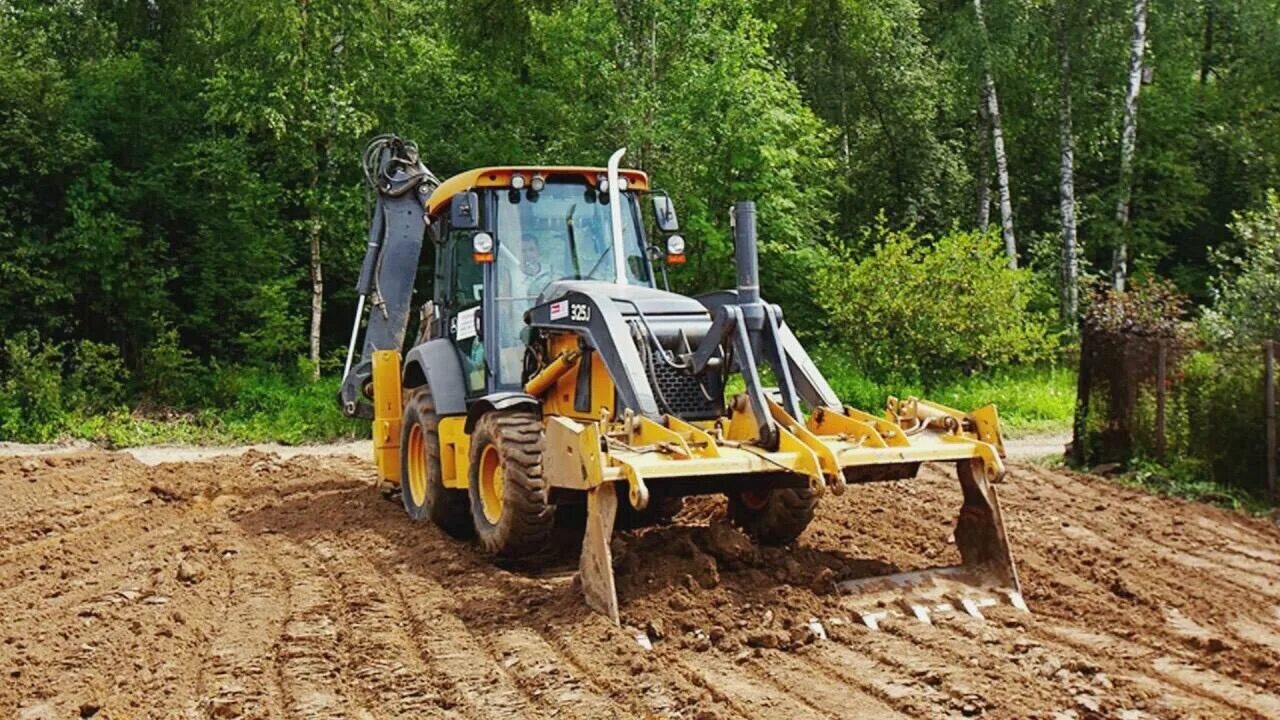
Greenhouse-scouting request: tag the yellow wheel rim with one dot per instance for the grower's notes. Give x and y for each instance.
(492, 484)
(417, 461)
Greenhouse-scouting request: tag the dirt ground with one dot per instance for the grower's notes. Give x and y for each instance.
(255, 586)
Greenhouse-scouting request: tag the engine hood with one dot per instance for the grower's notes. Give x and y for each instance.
(628, 298)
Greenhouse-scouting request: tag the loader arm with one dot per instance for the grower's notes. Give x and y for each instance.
(401, 185)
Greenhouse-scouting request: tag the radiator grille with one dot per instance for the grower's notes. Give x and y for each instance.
(683, 395)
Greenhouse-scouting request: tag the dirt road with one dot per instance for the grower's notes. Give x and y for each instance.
(255, 587)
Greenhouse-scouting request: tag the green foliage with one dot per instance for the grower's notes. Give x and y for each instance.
(96, 381)
(31, 397)
(916, 307)
(1248, 287)
(1218, 418)
(1185, 478)
(1030, 399)
(167, 370)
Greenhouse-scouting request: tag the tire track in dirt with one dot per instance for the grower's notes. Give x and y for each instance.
(382, 657)
(238, 675)
(309, 664)
(795, 675)
(746, 695)
(1199, 689)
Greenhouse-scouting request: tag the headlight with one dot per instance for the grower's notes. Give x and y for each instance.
(482, 243)
(537, 183)
(675, 245)
(517, 181)
(622, 184)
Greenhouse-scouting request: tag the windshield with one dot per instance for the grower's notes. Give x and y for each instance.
(560, 233)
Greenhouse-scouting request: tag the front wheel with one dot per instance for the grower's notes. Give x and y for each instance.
(773, 517)
(509, 507)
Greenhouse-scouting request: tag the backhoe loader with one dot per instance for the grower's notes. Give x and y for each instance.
(552, 368)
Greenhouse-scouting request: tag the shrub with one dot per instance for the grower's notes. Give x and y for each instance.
(97, 379)
(1247, 288)
(31, 402)
(1221, 396)
(919, 307)
(167, 375)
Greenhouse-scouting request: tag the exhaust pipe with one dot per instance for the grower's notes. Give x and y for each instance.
(745, 253)
(746, 257)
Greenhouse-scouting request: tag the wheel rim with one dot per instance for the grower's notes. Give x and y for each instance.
(492, 485)
(754, 499)
(417, 461)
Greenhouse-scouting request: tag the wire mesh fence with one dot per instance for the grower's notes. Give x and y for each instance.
(1151, 392)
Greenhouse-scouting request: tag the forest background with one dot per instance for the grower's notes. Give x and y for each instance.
(944, 185)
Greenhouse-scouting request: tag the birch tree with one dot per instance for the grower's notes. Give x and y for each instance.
(1066, 170)
(992, 104)
(1128, 144)
(982, 177)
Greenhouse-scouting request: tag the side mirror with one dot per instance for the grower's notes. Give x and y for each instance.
(464, 211)
(664, 212)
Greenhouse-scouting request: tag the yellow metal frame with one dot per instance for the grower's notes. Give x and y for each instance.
(822, 449)
(501, 177)
(455, 452)
(386, 414)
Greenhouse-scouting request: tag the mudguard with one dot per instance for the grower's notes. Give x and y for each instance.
(435, 364)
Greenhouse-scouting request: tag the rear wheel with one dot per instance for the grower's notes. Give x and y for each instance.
(421, 483)
(773, 517)
(509, 506)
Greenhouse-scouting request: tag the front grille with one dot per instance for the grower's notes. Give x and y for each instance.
(680, 394)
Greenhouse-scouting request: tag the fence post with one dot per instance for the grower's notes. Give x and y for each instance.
(1162, 360)
(1269, 374)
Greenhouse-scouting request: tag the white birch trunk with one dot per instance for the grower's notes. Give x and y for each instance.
(997, 144)
(317, 297)
(1128, 144)
(982, 179)
(1070, 299)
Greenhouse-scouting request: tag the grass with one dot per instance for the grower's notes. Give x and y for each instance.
(250, 405)
(231, 407)
(1187, 479)
(1032, 400)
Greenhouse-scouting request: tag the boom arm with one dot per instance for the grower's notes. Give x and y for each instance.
(401, 186)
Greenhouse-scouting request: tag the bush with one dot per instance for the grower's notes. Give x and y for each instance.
(920, 308)
(1247, 289)
(97, 379)
(1221, 395)
(31, 402)
(167, 375)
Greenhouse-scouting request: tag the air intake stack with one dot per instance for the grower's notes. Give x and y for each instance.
(746, 257)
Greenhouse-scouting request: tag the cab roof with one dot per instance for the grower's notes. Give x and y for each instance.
(501, 177)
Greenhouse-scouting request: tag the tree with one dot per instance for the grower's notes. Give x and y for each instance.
(1069, 293)
(293, 72)
(992, 103)
(1128, 142)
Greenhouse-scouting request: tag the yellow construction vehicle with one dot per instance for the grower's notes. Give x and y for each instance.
(550, 369)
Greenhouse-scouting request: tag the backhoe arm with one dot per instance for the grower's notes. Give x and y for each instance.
(401, 186)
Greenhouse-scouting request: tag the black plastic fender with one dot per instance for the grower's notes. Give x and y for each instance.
(435, 364)
(499, 401)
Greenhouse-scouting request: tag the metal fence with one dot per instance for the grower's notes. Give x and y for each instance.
(1213, 408)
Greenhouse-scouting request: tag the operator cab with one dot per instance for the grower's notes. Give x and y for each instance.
(507, 234)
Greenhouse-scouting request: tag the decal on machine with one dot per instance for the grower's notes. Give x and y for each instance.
(560, 310)
(464, 323)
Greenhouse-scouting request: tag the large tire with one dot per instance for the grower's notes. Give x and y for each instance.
(773, 517)
(509, 506)
(421, 484)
